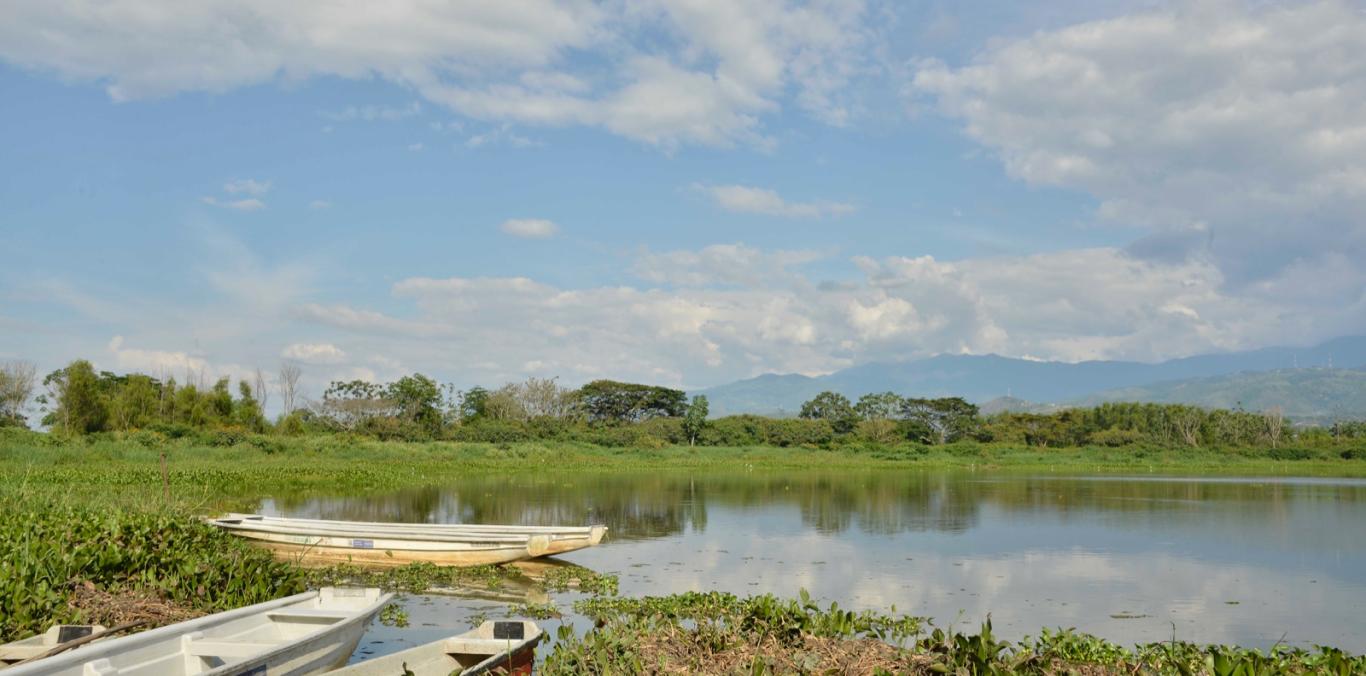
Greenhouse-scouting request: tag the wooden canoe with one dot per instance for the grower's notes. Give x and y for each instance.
(307, 633)
(509, 646)
(541, 540)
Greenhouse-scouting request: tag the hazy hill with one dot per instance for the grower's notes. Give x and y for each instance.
(1301, 393)
(981, 378)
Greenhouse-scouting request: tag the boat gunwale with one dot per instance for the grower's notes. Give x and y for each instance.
(150, 637)
(376, 534)
(439, 527)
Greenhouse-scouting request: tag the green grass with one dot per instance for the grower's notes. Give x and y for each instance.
(715, 633)
(254, 465)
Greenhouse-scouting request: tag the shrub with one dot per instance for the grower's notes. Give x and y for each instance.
(1116, 437)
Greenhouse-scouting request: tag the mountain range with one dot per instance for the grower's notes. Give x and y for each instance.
(1322, 380)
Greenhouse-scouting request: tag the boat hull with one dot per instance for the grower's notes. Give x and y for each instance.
(303, 634)
(377, 544)
(508, 647)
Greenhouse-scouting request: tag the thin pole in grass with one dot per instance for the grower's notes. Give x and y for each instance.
(165, 481)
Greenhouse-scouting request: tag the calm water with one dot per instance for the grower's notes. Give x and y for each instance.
(1243, 561)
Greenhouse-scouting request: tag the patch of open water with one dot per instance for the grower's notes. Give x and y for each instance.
(1132, 559)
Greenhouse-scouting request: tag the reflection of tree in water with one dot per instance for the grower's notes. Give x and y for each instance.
(632, 506)
(887, 502)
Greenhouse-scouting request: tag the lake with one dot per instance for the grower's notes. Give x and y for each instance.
(1132, 559)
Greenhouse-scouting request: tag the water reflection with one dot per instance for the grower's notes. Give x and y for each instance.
(1243, 561)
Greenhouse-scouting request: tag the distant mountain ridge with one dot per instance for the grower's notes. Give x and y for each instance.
(981, 378)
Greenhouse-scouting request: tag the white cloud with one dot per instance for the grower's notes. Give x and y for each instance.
(748, 199)
(529, 228)
(188, 368)
(502, 134)
(732, 311)
(314, 353)
(415, 147)
(372, 113)
(247, 204)
(722, 264)
(319, 204)
(663, 73)
(247, 186)
(1232, 132)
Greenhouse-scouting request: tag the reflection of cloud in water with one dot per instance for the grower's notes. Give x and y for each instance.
(1032, 551)
(1023, 590)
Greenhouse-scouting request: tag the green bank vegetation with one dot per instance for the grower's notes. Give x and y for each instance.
(92, 560)
(719, 633)
(79, 402)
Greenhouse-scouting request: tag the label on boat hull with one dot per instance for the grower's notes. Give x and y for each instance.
(363, 544)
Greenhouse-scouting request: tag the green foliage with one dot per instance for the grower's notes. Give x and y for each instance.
(46, 546)
(695, 420)
(611, 401)
(717, 622)
(833, 408)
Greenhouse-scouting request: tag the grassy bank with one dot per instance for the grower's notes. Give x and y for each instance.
(87, 533)
(717, 633)
(253, 465)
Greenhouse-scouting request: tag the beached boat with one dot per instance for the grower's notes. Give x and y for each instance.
(377, 546)
(303, 634)
(509, 646)
(403, 542)
(33, 646)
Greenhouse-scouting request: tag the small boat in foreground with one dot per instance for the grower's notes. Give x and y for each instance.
(507, 646)
(33, 646)
(307, 633)
(377, 543)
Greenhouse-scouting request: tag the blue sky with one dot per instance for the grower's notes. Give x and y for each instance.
(680, 192)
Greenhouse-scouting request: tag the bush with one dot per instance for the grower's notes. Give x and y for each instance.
(492, 431)
(877, 432)
(1116, 437)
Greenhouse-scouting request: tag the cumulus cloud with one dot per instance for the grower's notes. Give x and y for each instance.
(723, 264)
(314, 353)
(663, 73)
(687, 323)
(191, 368)
(246, 204)
(748, 199)
(1231, 132)
(529, 228)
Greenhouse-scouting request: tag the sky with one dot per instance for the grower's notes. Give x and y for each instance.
(680, 192)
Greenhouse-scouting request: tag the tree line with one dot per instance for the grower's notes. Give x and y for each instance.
(77, 399)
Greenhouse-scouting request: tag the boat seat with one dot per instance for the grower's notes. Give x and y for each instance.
(307, 614)
(220, 648)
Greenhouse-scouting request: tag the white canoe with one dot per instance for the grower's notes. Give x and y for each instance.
(303, 634)
(540, 540)
(380, 547)
(34, 646)
(509, 646)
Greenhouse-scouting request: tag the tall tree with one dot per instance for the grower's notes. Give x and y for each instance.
(16, 389)
(289, 384)
(612, 401)
(948, 418)
(831, 407)
(81, 408)
(879, 406)
(695, 420)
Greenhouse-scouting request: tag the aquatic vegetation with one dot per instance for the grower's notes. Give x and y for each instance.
(49, 548)
(393, 615)
(717, 633)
